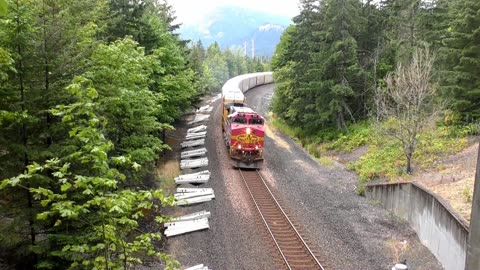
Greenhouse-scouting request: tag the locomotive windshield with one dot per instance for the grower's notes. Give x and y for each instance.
(256, 121)
(240, 120)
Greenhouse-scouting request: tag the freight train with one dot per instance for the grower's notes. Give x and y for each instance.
(243, 128)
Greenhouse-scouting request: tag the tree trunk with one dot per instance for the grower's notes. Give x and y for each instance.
(340, 121)
(46, 73)
(409, 163)
(21, 80)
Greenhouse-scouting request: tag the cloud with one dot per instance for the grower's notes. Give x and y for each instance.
(191, 12)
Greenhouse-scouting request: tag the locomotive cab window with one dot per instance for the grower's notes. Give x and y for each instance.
(240, 120)
(256, 121)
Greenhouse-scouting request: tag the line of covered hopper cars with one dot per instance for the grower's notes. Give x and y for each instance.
(243, 128)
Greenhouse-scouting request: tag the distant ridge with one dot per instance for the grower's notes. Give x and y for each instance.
(233, 27)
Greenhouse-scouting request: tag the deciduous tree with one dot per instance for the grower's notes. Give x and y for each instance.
(408, 103)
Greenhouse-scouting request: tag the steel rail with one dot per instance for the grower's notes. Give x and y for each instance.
(283, 215)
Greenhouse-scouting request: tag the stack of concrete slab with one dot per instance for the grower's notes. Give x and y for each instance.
(198, 267)
(197, 129)
(188, 223)
(199, 118)
(192, 143)
(205, 109)
(217, 97)
(191, 159)
(193, 153)
(193, 178)
(189, 196)
(194, 136)
(193, 163)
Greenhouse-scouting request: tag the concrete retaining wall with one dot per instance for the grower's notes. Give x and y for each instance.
(439, 228)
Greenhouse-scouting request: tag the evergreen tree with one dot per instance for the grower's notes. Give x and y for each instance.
(217, 65)
(302, 75)
(18, 143)
(231, 63)
(197, 57)
(92, 223)
(323, 77)
(43, 45)
(343, 77)
(461, 55)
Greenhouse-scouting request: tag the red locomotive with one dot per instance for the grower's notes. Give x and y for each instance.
(242, 127)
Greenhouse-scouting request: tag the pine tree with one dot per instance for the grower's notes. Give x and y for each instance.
(17, 121)
(196, 57)
(302, 75)
(461, 55)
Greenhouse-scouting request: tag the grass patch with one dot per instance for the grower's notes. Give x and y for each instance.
(435, 143)
(165, 174)
(326, 161)
(358, 134)
(294, 133)
(384, 158)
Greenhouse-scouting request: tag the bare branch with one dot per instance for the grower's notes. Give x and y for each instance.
(409, 99)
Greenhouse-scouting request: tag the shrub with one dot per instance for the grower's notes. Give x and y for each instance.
(359, 134)
(380, 161)
(435, 143)
(467, 195)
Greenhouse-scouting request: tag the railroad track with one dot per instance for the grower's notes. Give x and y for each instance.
(293, 249)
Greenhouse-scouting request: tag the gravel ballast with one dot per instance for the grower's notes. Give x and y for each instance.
(348, 230)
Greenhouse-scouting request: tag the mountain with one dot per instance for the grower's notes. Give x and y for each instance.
(234, 26)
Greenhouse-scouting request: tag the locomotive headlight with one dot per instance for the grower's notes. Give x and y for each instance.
(256, 147)
(249, 130)
(239, 146)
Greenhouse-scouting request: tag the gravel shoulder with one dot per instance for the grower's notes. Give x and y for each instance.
(352, 232)
(234, 240)
(349, 231)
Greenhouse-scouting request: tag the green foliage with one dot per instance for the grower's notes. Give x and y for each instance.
(283, 51)
(110, 134)
(382, 160)
(122, 74)
(326, 161)
(454, 126)
(358, 135)
(433, 144)
(460, 59)
(385, 160)
(86, 197)
(3, 7)
(292, 132)
(318, 69)
(214, 67)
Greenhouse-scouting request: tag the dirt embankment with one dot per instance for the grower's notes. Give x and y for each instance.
(453, 178)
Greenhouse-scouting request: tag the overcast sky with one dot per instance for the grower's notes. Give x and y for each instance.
(192, 11)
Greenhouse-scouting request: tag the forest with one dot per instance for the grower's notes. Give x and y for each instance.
(409, 68)
(88, 89)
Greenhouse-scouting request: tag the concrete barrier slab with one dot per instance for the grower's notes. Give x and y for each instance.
(197, 129)
(193, 143)
(193, 163)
